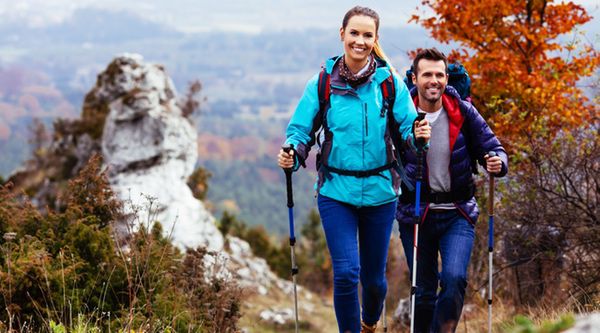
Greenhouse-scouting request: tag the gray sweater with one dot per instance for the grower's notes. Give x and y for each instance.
(438, 156)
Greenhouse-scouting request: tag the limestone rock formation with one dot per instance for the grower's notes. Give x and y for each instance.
(150, 148)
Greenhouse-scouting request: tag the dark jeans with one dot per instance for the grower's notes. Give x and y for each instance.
(358, 239)
(450, 234)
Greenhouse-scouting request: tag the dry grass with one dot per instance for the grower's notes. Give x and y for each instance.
(315, 315)
(474, 318)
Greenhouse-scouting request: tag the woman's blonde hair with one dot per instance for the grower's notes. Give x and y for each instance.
(378, 51)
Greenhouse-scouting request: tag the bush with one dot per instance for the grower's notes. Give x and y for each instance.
(553, 207)
(68, 269)
(198, 183)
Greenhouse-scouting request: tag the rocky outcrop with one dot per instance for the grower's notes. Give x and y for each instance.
(150, 149)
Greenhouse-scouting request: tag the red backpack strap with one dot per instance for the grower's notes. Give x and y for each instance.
(388, 91)
(324, 87)
(324, 91)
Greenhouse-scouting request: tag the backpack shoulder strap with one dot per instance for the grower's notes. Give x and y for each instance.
(324, 87)
(465, 129)
(388, 90)
(324, 92)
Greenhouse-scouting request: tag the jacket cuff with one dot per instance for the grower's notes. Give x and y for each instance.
(412, 143)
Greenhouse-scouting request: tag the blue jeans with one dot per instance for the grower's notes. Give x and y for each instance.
(358, 239)
(450, 234)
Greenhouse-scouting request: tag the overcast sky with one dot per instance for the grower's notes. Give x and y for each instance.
(239, 15)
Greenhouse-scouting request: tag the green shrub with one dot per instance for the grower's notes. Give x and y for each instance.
(68, 271)
(523, 324)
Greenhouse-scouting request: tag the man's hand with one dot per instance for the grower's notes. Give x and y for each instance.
(493, 164)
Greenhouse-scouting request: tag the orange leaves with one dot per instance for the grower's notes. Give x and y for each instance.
(524, 77)
(563, 17)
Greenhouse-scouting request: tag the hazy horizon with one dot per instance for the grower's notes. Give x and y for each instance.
(239, 16)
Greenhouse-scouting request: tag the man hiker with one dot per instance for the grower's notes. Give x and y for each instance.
(460, 138)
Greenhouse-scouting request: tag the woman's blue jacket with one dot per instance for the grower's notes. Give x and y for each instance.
(357, 121)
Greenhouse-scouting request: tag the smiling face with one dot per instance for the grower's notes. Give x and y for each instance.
(359, 37)
(431, 79)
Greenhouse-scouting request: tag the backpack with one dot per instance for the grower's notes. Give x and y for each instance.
(388, 91)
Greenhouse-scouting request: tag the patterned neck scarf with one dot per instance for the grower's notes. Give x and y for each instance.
(356, 79)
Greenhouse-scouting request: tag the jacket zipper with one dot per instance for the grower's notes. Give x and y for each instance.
(366, 120)
(365, 133)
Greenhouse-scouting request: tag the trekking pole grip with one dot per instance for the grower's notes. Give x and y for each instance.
(492, 154)
(420, 142)
(288, 177)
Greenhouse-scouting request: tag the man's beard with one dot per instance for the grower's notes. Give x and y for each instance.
(433, 100)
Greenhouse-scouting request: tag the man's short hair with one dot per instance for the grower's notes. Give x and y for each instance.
(428, 54)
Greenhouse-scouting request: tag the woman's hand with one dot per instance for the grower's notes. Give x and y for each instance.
(423, 130)
(285, 160)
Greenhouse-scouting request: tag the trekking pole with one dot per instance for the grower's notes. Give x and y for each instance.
(490, 244)
(419, 178)
(384, 319)
(290, 203)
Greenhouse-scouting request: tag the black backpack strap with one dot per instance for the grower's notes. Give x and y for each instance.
(388, 91)
(468, 139)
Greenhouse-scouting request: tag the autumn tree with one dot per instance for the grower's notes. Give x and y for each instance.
(525, 59)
